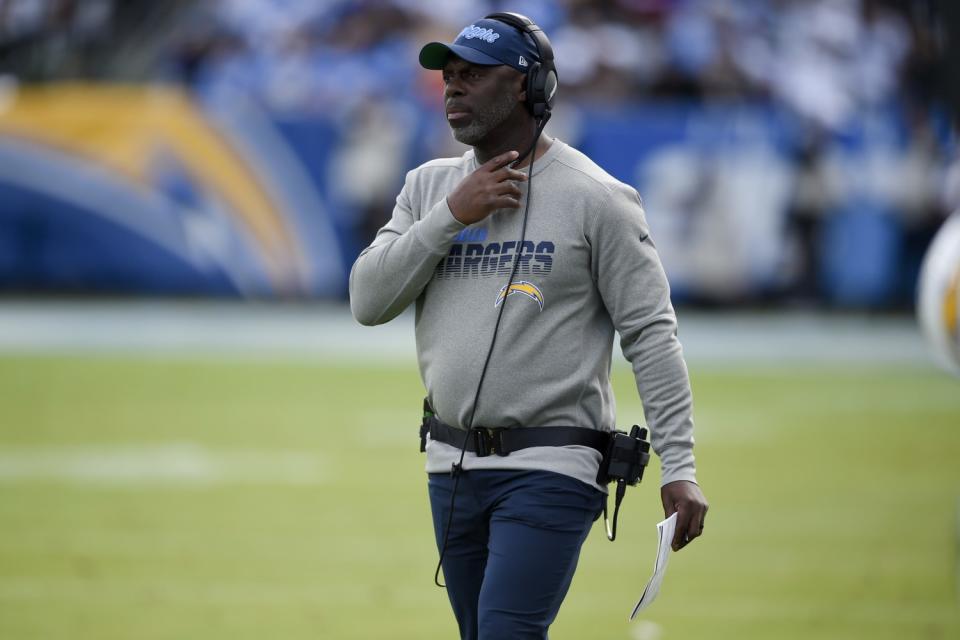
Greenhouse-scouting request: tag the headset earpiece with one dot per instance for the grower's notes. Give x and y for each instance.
(533, 99)
(542, 79)
(542, 83)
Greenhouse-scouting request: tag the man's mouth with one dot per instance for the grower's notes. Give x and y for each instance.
(457, 115)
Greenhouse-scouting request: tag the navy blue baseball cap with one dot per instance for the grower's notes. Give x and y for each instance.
(486, 42)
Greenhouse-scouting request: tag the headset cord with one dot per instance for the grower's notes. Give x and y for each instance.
(621, 490)
(457, 467)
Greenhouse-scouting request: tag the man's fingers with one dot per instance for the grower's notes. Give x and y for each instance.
(695, 528)
(507, 202)
(507, 188)
(509, 173)
(668, 508)
(680, 535)
(496, 162)
(686, 499)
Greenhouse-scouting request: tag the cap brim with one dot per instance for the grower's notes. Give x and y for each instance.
(435, 55)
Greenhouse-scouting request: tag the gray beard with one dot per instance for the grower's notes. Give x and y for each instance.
(486, 121)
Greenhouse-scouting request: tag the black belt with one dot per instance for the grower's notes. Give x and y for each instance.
(503, 441)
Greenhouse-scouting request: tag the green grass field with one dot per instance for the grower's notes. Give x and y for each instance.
(163, 498)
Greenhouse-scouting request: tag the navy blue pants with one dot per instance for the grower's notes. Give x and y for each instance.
(513, 547)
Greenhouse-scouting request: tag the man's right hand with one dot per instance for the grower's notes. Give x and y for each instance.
(492, 186)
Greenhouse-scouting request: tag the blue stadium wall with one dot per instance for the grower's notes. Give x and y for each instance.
(132, 189)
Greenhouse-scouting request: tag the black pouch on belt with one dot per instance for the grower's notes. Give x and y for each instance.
(626, 457)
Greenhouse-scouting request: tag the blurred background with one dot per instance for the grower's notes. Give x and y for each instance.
(789, 153)
(185, 399)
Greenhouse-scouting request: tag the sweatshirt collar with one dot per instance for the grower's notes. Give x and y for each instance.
(539, 164)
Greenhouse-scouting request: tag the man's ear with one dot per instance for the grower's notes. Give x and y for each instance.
(522, 87)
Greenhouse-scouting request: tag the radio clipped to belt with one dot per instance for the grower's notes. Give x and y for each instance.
(623, 463)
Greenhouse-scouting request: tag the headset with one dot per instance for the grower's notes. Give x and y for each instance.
(542, 77)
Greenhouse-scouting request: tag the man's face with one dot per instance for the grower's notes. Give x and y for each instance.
(479, 98)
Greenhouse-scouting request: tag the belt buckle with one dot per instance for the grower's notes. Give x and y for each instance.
(496, 441)
(488, 441)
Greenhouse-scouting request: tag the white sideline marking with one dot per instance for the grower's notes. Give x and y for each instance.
(325, 332)
(159, 464)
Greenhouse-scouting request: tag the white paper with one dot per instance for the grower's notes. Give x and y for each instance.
(665, 531)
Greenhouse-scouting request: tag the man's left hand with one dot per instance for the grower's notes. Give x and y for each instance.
(686, 499)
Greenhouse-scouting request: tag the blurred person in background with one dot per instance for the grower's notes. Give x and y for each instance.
(53, 38)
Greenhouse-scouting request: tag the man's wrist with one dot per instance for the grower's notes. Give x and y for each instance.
(439, 227)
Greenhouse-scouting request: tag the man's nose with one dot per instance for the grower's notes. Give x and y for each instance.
(452, 89)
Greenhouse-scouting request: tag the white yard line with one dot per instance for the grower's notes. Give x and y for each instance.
(190, 592)
(167, 464)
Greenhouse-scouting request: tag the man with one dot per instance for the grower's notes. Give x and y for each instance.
(531, 355)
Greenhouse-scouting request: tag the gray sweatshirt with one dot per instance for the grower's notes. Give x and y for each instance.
(587, 267)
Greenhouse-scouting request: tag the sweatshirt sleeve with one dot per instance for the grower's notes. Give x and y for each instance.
(635, 291)
(389, 274)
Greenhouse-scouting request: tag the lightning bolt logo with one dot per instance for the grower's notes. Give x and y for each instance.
(522, 287)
